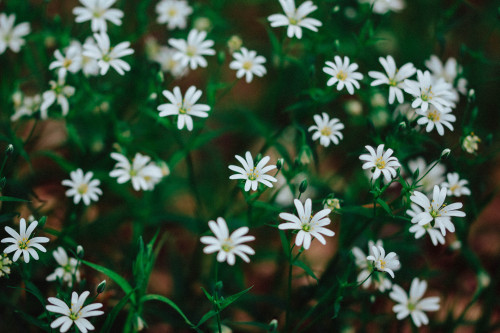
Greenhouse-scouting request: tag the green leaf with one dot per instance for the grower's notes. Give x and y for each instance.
(385, 206)
(33, 321)
(116, 309)
(228, 300)
(306, 268)
(4, 198)
(170, 303)
(206, 317)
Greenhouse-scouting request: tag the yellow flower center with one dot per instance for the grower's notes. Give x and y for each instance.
(83, 188)
(227, 246)
(380, 163)
(247, 65)
(182, 110)
(293, 21)
(341, 75)
(172, 12)
(454, 188)
(326, 131)
(382, 263)
(426, 95)
(191, 51)
(67, 63)
(74, 316)
(306, 227)
(253, 174)
(23, 244)
(434, 115)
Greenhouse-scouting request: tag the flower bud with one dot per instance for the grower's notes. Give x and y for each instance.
(234, 43)
(273, 326)
(280, 163)
(446, 152)
(10, 149)
(101, 286)
(203, 24)
(303, 186)
(471, 95)
(79, 251)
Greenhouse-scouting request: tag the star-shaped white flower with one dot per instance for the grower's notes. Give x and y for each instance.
(448, 71)
(192, 50)
(21, 242)
(435, 118)
(413, 305)
(384, 6)
(59, 92)
(228, 245)
(76, 314)
(83, 187)
(174, 13)
(106, 55)
(25, 105)
(71, 61)
(420, 230)
(456, 186)
(367, 274)
(428, 91)
(295, 18)
(383, 263)
(143, 173)
(165, 58)
(343, 74)
(12, 36)
(98, 12)
(382, 162)
(253, 175)
(471, 143)
(68, 268)
(327, 130)
(310, 226)
(248, 63)
(5, 263)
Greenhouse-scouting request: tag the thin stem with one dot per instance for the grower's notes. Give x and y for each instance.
(216, 294)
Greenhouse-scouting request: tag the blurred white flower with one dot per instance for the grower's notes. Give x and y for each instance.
(382, 262)
(59, 92)
(174, 13)
(295, 18)
(413, 305)
(183, 107)
(420, 230)
(165, 58)
(253, 175)
(327, 130)
(192, 50)
(248, 63)
(12, 36)
(343, 74)
(21, 242)
(449, 72)
(98, 12)
(380, 281)
(71, 61)
(5, 263)
(25, 105)
(143, 173)
(228, 245)
(435, 118)
(310, 226)
(433, 177)
(89, 65)
(108, 56)
(456, 186)
(68, 268)
(83, 187)
(77, 314)
(471, 143)
(384, 6)
(382, 162)
(427, 91)
(332, 204)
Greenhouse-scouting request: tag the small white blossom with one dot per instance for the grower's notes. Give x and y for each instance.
(295, 18)
(420, 230)
(393, 77)
(310, 226)
(435, 118)
(327, 130)
(449, 72)
(332, 203)
(456, 186)
(367, 275)
(106, 55)
(89, 65)
(68, 268)
(76, 314)
(184, 107)
(413, 305)
(427, 91)
(174, 13)
(21, 242)
(192, 50)
(384, 6)
(433, 177)
(248, 63)
(381, 262)
(98, 12)
(253, 175)
(5, 263)
(12, 36)
(143, 173)
(471, 143)
(343, 74)
(382, 162)
(71, 61)
(59, 92)
(25, 105)
(83, 187)
(228, 245)
(165, 58)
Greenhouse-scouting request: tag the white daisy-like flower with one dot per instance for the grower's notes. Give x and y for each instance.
(367, 274)
(21, 242)
(89, 65)
(436, 210)
(435, 118)
(106, 55)
(427, 91)
(227, 245)
(174, 13)
(253, 175)
(191, 51)
(471, 143)
(413, 305)
(327, 130)
(59, 92)
(143, 173)
(343, 74)
(12, 36)
(25, 105)
(5, 263)
(382, 162)
(248, 63)
(295, 18)
(165, 58)
(310, 226)
(71, 61)
(393, 77)
(83, 187)
(456, 186)
(383, 263)
(98, 12)
(68, 268)
(448, 71)
(384, 6)
(420, 230)
(183, 107)
(76, 314)
(435, 176)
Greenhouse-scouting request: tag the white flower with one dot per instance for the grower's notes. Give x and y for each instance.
(428, 91)
(71, 61)
(25, 105)
(108, 56)
(83, 187)
(383, 6)
(174, 13)
(98, 12)
(10, 36)
(76, 314)
(382, 162)
(327, 130)
(435, 118)
(420, 230)
(332, 203)
(455, 185)
(295, 18)
(59, 93)
(184, 107)
(471, 143)
(449, 72)
(143, 173)
(380, 281)
(89, 65)
(5, 263)
(384, 263)
(68, 267)
(248, 63)
(435, 176)
(253, 175)
(192, 50)
(165, 58)
(309, 226)
(393, 77)
(343, 74)
(436, 210)
(22, 244)
(227, 245)
(413, 305)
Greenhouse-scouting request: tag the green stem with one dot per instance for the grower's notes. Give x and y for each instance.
(216, 294)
